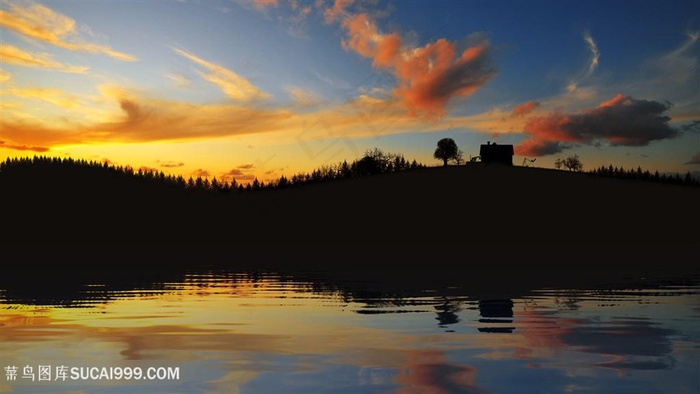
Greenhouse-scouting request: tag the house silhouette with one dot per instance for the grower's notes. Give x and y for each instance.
(494, 153)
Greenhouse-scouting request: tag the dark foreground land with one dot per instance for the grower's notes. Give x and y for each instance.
(440, 217)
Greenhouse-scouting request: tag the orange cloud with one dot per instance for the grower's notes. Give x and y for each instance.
(152, 120)
(201, 173)
(262, 4)
(142, 120)
(171, 164)
(232, 84)
(23, 147)
(538, 147)
(28, 134)
(334, 13)
(238, 174)
(12, 55)
(44, 24)
(52, 96)
(524, 109)
(622, 120)
(124, 115)
(428, 77)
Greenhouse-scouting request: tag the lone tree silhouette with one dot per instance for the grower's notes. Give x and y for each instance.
(573, 163)
(447, 150)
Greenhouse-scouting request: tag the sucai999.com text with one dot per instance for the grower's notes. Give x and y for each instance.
(62, 373)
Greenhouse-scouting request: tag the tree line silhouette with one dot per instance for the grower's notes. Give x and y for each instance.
(375, 161)
(69, 171)
(645, 175)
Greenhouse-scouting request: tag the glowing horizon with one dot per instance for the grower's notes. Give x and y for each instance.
(262, 89)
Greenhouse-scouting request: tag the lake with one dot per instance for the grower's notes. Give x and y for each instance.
(225, 330)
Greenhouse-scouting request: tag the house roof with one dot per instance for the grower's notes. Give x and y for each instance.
(495, 149)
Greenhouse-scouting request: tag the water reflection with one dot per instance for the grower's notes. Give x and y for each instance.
(254, 331)
(497, 315)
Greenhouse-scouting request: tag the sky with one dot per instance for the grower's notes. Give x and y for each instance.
(264, 88)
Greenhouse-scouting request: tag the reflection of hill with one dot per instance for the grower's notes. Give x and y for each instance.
(376, 285)
(467, 204)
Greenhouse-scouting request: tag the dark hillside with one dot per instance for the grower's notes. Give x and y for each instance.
(493, 205)
(465, 204)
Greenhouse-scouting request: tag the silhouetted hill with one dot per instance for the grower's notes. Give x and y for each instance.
(470, 204)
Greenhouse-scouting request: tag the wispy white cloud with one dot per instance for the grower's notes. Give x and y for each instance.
(693, 37)
(592, 63)
(301, 97)
(672, 76)
(682, 65)
(595, 53)
(179, 80)
(335, 83)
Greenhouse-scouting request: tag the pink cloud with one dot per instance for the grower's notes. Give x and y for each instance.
(429, 76)
(337, 11)
(525, 108)
(262, 4)
(539, 147)
(695, 159)
(621, 120)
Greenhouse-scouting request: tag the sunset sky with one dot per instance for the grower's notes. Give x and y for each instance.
(264, 88)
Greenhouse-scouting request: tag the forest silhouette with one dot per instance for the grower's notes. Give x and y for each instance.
(374, 161)
(377, 199)
(71, 171)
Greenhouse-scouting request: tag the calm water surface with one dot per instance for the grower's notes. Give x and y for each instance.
(228, 332)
